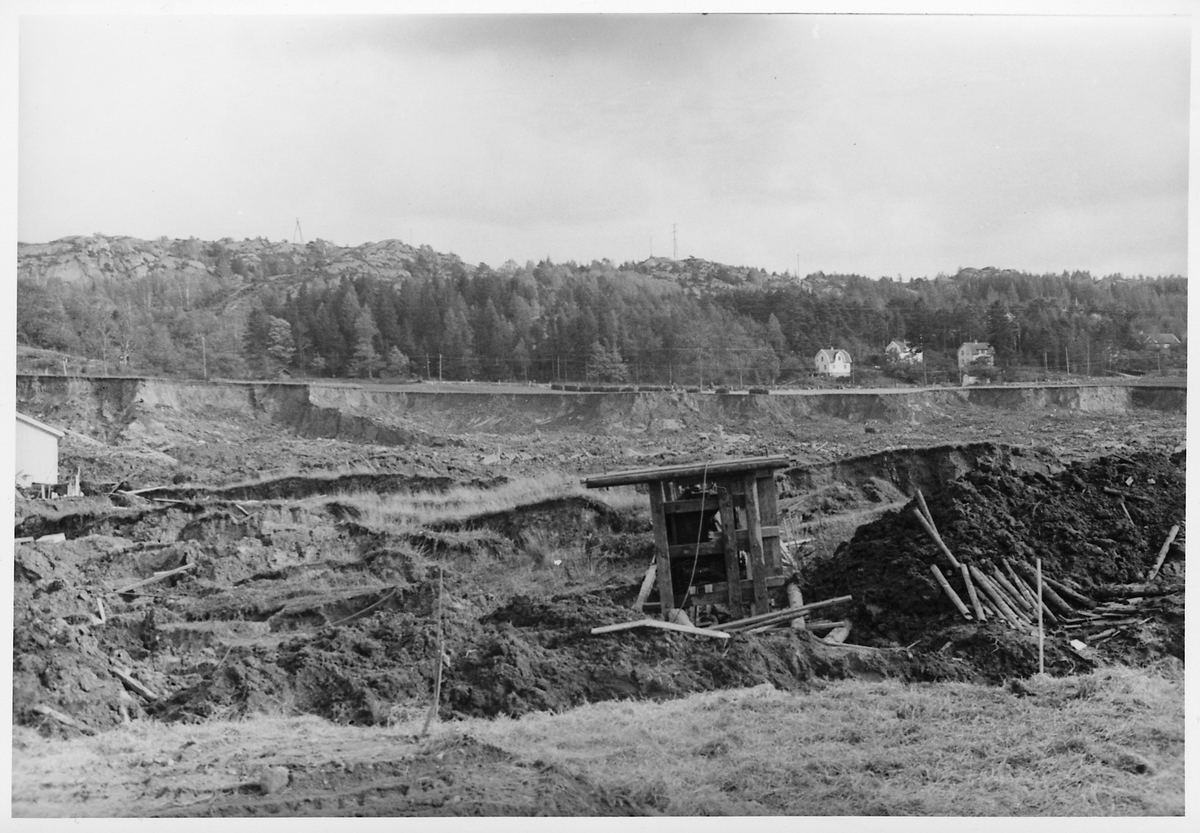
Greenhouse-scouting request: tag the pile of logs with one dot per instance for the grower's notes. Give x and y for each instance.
(1009, 590)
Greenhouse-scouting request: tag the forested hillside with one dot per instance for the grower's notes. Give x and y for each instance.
(258, 309)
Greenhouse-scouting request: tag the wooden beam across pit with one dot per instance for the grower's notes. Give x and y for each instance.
(685, 502)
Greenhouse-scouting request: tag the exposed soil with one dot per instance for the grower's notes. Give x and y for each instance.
(291, 601)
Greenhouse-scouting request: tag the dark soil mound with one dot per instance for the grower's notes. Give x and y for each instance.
(1087, 536)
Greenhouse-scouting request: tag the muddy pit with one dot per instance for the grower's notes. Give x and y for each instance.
(301, 606)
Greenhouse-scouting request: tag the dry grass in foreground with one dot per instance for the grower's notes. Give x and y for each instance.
(1106, 744)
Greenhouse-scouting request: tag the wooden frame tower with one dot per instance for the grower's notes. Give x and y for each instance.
(716, 532)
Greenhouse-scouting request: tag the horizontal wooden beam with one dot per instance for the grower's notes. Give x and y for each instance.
(707, 504)
(661, 625)
(709, 470)
(741, 536)
(721, 587)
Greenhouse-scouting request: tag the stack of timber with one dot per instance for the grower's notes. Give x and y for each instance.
(1004, 589)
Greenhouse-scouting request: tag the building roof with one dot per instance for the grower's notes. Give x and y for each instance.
(975, 345)
(830, 353)
(49, 429)
(1162, 338)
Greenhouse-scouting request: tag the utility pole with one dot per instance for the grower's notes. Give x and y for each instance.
(674, 244)
(439, 367)
(204, 356)
(297, 232)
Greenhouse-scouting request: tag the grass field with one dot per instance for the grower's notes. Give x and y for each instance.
(1107, 744)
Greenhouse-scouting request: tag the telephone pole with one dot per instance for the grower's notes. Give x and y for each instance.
(297, 232)
(674, 244)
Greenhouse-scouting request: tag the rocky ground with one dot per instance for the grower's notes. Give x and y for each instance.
(221, 567)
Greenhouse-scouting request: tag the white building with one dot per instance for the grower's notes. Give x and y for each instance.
(37, 451)
(973, 351)
(902, 352)
(830, 362)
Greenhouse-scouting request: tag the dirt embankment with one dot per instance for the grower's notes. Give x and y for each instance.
(128, 408)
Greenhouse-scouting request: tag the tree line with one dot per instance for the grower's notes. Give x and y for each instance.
(596, 322)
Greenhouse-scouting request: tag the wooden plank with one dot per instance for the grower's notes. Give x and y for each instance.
(949, 591)
(787, 614)
(64, 719)
(707, 504)
(701, 593)
(124, 676)
(937, 539)
(1031, 594)
(717, 545)
(666, 626)
(996, 595)
(647, 585)
(972, 594)
(768, 503)
(1013, 596)
(732, 570)
(663, 551)
(762, 602)
(796, 599)
(709, 470)
(1162, 553)
(156, 577)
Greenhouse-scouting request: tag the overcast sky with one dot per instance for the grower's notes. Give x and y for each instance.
(882, 145)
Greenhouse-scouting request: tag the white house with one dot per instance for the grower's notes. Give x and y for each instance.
(830, 362)
(902, 352)
(37, 451)
(1163, 341)
(972, 351)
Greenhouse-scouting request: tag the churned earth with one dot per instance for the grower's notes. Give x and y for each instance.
(246, 550)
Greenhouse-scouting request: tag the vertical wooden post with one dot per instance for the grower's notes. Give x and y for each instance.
(733, 576)
(769, 505)
(1041, 628)
(665, 591)
(758, 568)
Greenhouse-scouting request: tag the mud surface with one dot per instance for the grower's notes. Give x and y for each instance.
(224, 563)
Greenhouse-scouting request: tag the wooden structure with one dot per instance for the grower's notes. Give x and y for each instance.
(716, 533)
(36, 452)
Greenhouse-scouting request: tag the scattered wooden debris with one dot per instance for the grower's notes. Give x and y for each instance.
(155, 578)
(127, 678)
(933, 533)
(1125, 495)
(949, 591)
(647, 586)
(785, 615)
(661, 625)
(64, 719)
(1162, 553)
(1130, 591)
(980, 615)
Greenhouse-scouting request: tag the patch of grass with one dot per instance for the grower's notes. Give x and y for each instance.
(399, 512)
(1110, 743)
(1107, 744)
